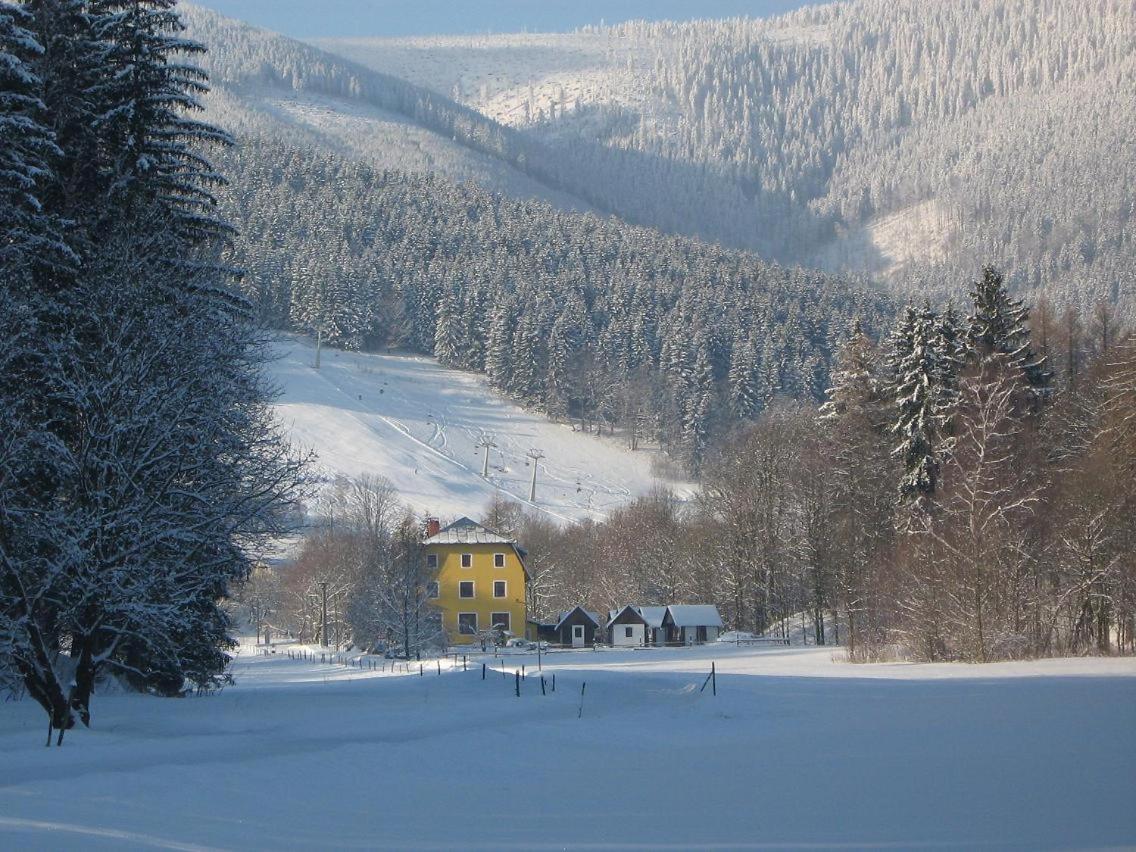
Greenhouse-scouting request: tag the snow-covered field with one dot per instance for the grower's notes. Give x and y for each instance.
(795, 751)
(418, 424)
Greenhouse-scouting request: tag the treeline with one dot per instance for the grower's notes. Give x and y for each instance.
(672, 340)
(966, 493)
(138, 454)
(366, 554)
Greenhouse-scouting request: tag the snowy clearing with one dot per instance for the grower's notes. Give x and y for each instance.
(418, 424)
(499, 75)
(794, 750)
(891, 244)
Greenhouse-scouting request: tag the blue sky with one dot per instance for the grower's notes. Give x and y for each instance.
(332, 18)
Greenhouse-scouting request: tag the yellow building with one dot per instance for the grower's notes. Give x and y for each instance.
(480, 580)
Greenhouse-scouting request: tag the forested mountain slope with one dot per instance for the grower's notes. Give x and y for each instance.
(285, 89)
(589, 318)
(910, 141)
(268, 85)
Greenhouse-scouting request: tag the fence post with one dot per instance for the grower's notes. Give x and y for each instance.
(421, 670)
(483, 671)
(713, 678)
(583, 686)
(542, 692)
(439, 666)
(465, 660)
(517, 675)
(522, 672)
(554, 681)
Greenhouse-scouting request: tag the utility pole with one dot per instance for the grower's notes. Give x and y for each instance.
(536, 456)
(323, 630)
(486, 444)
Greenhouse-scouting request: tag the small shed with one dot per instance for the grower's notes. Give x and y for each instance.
(577, 628)
(692, 624)
(636, 626)
(545, 631)
(626, 627)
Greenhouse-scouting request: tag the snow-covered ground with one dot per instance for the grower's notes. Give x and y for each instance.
(418, 424)
(795, 751)
(890, 244)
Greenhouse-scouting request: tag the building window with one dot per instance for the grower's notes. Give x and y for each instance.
(432, 590)
(628, 632)
(465, 589)
(467, 623)
(502, 620)
(499, 588)
(431, 560)
(467, 560)
(498, 560)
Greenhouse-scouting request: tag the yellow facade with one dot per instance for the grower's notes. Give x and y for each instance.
(489, 566)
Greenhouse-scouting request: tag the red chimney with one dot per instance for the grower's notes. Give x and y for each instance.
(433, 527)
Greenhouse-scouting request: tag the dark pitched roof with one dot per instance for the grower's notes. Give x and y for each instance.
(595, 619)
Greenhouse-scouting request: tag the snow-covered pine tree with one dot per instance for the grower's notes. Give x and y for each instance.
(144, 458)
(564, 381)
(529, 360)
(29, 238)
(699, 406)
(498, 345)
(150, 91)
(69, 68)
(448, 327)
(923, 403)
(745, 396)
(999, 324)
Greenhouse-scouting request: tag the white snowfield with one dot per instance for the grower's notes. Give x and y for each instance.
(419, 424)
(794, 751)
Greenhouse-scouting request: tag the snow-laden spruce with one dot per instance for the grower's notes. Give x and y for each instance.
(139, 460)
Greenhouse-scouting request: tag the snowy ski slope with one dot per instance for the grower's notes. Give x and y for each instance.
(418, 424)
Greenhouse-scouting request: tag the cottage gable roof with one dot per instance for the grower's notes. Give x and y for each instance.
(651, 616)
(564, 616)
(466, 531)
(694, 615)
(613, 614)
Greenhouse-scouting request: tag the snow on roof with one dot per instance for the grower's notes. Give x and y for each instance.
(466, 531)
(564, 615)
(652, 615)
(695, 615)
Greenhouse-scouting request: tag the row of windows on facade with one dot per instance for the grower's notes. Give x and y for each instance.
(467, 589)
(467, 622)
(466, 560)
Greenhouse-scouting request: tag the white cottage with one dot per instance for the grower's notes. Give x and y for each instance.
(692, 624)
(636, 626)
